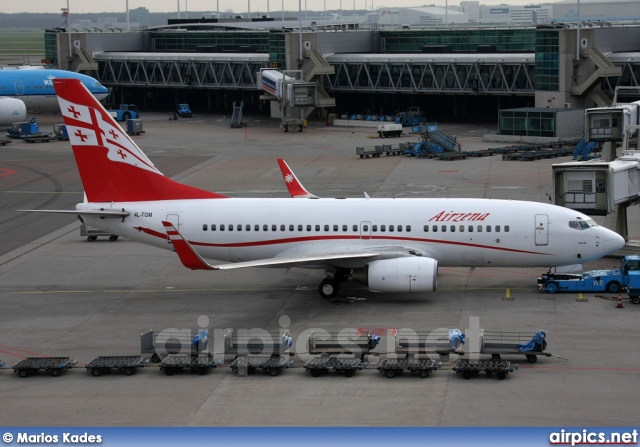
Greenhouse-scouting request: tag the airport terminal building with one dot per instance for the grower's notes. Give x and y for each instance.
(453, 70)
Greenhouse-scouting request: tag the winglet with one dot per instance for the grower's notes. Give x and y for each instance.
(293, 184)
(189, 257)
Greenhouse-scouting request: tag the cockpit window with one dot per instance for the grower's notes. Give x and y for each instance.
(582, 224)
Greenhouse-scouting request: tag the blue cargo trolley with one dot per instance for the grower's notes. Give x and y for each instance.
(53, 365)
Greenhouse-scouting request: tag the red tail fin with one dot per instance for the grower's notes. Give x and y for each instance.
(112, 167)
(293, 184)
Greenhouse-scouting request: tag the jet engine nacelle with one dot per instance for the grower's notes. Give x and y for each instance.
(12, 110)
(405, 275)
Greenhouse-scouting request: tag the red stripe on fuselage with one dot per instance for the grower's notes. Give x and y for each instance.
(338, 238)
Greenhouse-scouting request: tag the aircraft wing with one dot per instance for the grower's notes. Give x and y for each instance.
(296, 190)
(192, 260)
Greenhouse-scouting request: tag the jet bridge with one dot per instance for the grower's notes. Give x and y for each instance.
(599, 187)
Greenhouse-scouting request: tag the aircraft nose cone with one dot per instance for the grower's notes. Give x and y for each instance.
(613, 241)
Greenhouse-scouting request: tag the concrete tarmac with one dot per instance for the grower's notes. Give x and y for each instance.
(63, 296)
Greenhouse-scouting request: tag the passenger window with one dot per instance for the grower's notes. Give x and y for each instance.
(335, 228)
(444, 228)
(308, 227)
(205, 227)
(291, 227)
(265, 227)
(390, 227)
(326, 228)
(383, 228)
(317, 227)
(239, 227)
(470, 228)
(408, 228)
(497, 228)
(213, 227)
(479, 228)
(355, 228)
(222, 227)
(488, 228)
(435, 228)
(274, 228)
(426, 228)
(506, 228)
(345, 228)
(461, 229)
(248, 227)
(299, 227)
(374, 228)
(282, 227)
(230, 227)
(256, 227)
(399, 228)
(452, 228)
(365, 228)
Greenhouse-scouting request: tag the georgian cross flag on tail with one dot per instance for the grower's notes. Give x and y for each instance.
(90, 126)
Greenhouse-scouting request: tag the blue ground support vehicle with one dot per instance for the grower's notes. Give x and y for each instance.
(612, 281)
(125, 112)
(184, 111)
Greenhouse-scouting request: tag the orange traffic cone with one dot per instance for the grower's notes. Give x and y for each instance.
(619, 305)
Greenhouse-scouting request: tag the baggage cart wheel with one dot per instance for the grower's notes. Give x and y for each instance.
(92, 238)
(635, 300)
(467, 375)
(242, 372)
(113, 238)
(274, 372)
(315, 373)
(168, 371)
(155, 358)
(128, 371)
(424, 373)
(390, 373)
(348, 373)
(55, 372)
(95, 372)
(502, 375)
(23, 373)
(532, 358)
(361, 156)
(495, 357)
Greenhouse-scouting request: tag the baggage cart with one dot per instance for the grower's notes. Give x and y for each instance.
(342, 342)
(421, 367)
(3, 142)
(201, 364)
(440, 341)
(322, 365)
(126, 364)
(472, 369)
(269, 364)
(53, 365)
(366, 153)
(92, 233)
(497, 344)
(257, 342)
(160, 344)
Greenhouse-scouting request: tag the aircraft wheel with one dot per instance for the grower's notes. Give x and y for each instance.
(329, 287)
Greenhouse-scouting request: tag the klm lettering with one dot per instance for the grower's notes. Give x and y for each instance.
(458, 217)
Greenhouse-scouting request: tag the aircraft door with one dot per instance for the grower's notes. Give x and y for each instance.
(175, 220)
(19, 88)
(365, 231)
(542, 229)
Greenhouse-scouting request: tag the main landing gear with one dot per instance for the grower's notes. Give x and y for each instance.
(330, 286)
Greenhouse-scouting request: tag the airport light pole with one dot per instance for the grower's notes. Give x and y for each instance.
(578, 33)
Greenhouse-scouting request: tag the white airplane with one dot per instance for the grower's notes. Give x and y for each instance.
(390, 245)
(29, 89)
